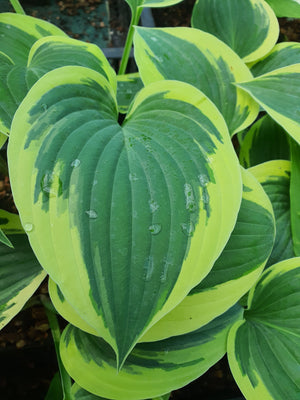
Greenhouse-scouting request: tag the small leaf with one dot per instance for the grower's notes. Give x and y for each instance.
(249, 27)
(55, 391)
(295, 195)
(10, 223)
(265, 141)
(202, 60)
(152, 369)
(263, 350)
(286, 8)
(278, 92)
(4, 239)
(127, 87)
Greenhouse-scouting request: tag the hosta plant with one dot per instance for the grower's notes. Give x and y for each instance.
(165, 249)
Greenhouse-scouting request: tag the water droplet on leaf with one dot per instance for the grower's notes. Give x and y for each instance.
(148, 269)
(44, 107)
(153, 206)
(155, 229)
(51, 184)
(188, 228)
(190, 203)
(92, 214)
(75, 163)
(133, 177)
(164, 274)
(203, 180)
(28, 227)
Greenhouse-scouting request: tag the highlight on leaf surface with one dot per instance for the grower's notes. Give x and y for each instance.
(263, 350)
(249, 27)
(151, 369)
(265, 141)
(198, 58)
(109, 208)
(20, 276)
(278, 93)
(234, 272)
(274, 177)
(282, 55)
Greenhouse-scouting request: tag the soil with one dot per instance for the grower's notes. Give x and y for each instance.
(27, 355)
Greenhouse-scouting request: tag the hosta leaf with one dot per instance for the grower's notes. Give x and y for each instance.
(264, 349)
(278, 92)
(151, 369)
(18, 33)
(282, 55)
(46, 54)
(55, 391)
(10, 223)
(265, 141)
(198, 58)
(133, 216)
(234, 272)
(249, 27)
(286, 8)
(294, 196)
(127, 87)
(275, 179)
(20, 276)
(4, 239)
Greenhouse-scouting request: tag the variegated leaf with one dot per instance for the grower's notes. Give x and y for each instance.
(132, 216)
(295, 196)
(198, 58)
(274, 177)
(249, 27)
(151, 369)
(127, 87)
(264, 349)
(286, 8)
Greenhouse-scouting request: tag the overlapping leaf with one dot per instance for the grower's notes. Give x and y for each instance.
(198, 58)
(20, 276)
(264, 349)
(235, 271)
(18, 33)
(125, 216)
(151, 369)
(265, 141)
(294, 196)
(286, 8)
(275, 179)
(127, 87)
(282, 55)
(249, 27)
(278, 92)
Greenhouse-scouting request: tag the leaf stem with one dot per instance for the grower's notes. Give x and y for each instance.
(55, 330)
(128, 45)
(17, 7)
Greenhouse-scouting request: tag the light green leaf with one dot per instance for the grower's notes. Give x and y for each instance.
(278, 92)
(249, 27)
(264, 349)
(198, 58)
(235, 271)
(20, 276)
(111, 208)
(127, 87)
(274, 177)
(286, 8)
(151, 369)
(282, 55)
(294, 196)
(10, 223)
(18, 33)
(265, 141)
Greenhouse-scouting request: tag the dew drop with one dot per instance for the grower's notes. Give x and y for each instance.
(75, 163)
(95, 182)
(8, 26)
(164, 274)
(203, 180)
(51, 185)
(155, 229)
(28, 227)
(148, 269)
(190, 203)
(44, 107)
(91, 214)
(132, 177)
(154, 39)
(188, 228)
(205, 197)
(153, 206)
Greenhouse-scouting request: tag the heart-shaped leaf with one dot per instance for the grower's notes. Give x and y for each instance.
(151, 369)
(249, 27)
(278, 92)
(20, 276)
(282, 55)
(131, 217)
(274, 177)
(265, 141)
(235, 271)
(264, 349)
(198, 58)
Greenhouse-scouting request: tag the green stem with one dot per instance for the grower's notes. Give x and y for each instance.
(55, 330)
(128, 45)
(17, 7)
